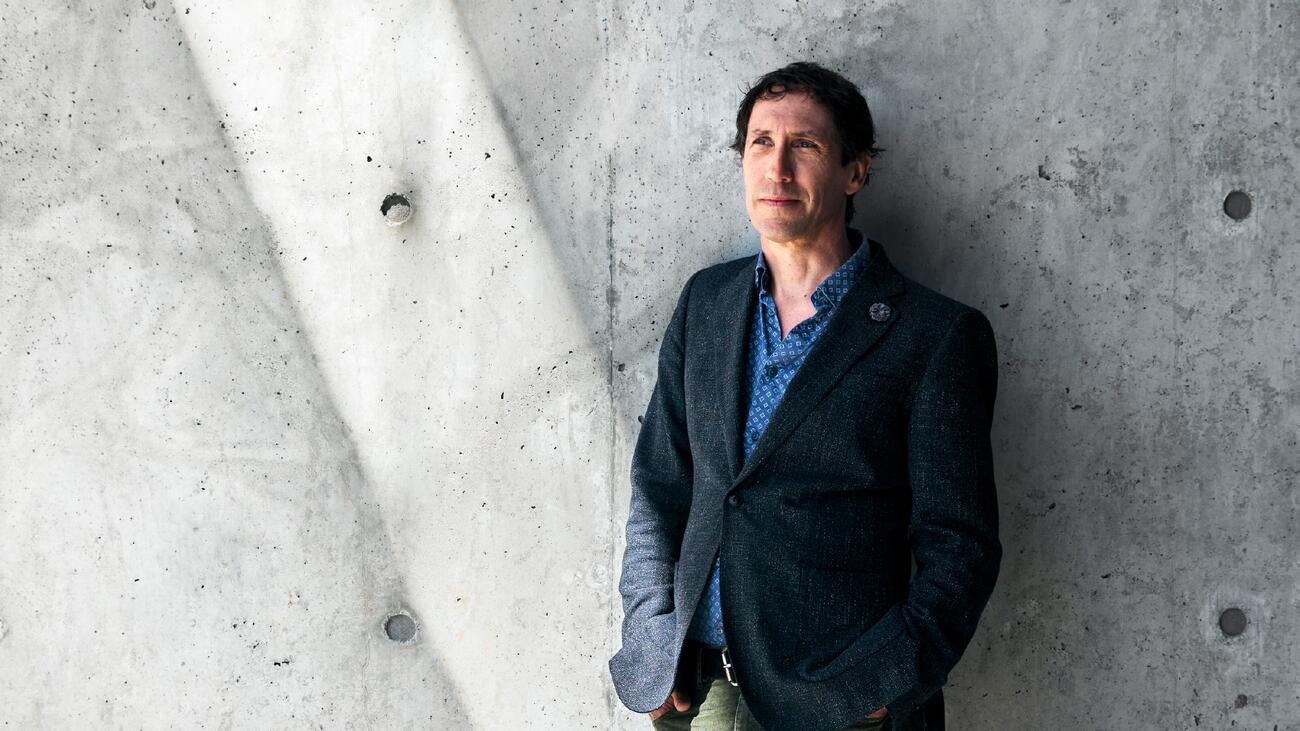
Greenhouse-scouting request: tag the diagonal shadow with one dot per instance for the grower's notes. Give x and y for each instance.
(221, 424)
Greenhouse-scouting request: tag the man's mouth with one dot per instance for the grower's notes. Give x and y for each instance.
(779, 201)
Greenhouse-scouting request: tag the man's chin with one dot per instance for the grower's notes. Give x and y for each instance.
(780, 231)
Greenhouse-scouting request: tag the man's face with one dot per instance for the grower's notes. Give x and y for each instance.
(794, 182)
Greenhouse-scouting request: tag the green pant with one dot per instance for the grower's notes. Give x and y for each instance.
(717, 705)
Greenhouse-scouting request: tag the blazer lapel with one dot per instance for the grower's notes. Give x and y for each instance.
(848, 336)
(732, 313)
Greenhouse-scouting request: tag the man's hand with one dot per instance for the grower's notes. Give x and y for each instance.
(677, 700)
(879, 714)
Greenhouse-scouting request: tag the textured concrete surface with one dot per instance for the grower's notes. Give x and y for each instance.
(246, 421)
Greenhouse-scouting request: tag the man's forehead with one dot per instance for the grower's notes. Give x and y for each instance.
(793, 113)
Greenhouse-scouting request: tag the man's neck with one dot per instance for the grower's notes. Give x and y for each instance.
(797, 267)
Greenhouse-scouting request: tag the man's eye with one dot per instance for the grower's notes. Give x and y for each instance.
(761, 141)
(805, 143)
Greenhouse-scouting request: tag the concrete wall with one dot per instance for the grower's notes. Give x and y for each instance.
(247, 422)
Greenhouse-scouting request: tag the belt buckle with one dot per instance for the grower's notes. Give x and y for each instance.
(728, 668)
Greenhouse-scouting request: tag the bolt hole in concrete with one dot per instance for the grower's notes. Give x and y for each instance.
(1232, 622)
(396, 209)
(400, 628)
(1237, 205)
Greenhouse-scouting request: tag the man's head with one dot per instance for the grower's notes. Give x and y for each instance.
(806, 140)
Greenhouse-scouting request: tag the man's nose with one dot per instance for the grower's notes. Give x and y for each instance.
(779, 168)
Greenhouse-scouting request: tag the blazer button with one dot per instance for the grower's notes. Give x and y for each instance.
(733, 500)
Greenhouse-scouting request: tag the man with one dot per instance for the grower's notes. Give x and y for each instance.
(819, 423)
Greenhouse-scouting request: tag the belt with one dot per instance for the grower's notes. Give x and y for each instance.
(713, 662)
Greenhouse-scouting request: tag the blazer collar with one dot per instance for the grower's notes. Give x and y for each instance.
(850, 333)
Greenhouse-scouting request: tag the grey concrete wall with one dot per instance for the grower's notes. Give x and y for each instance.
(246, 422)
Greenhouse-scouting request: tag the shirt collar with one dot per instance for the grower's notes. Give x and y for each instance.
(833, 288)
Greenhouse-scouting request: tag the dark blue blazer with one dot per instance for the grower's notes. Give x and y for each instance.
(877, 456)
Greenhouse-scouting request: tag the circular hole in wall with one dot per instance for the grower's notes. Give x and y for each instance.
(1232, 622)
(400, 628)
(1237, 205)
(396, 209)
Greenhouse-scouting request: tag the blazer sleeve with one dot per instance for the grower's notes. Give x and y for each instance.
(953, 530)
(661, 475)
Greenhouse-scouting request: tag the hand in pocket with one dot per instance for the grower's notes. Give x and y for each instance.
(677, 701)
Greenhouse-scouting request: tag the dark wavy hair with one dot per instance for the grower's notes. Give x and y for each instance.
(848, 109)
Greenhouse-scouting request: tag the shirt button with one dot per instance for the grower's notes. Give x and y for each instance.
(733, 500)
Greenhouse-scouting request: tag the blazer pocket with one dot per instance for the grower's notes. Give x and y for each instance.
(823, 666)
(836, 490)
(882, 372)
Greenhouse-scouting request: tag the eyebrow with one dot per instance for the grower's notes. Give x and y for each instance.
(798, 133)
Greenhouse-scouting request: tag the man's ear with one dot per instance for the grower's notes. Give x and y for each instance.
(858, 173)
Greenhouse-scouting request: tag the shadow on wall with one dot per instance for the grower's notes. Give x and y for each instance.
(552, 113)
(179, 464)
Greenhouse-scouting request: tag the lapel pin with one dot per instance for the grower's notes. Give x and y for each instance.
(880, 312)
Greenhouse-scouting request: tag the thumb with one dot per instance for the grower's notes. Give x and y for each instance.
(680, 700)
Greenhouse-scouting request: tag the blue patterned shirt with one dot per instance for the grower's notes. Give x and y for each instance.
(771, 365)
